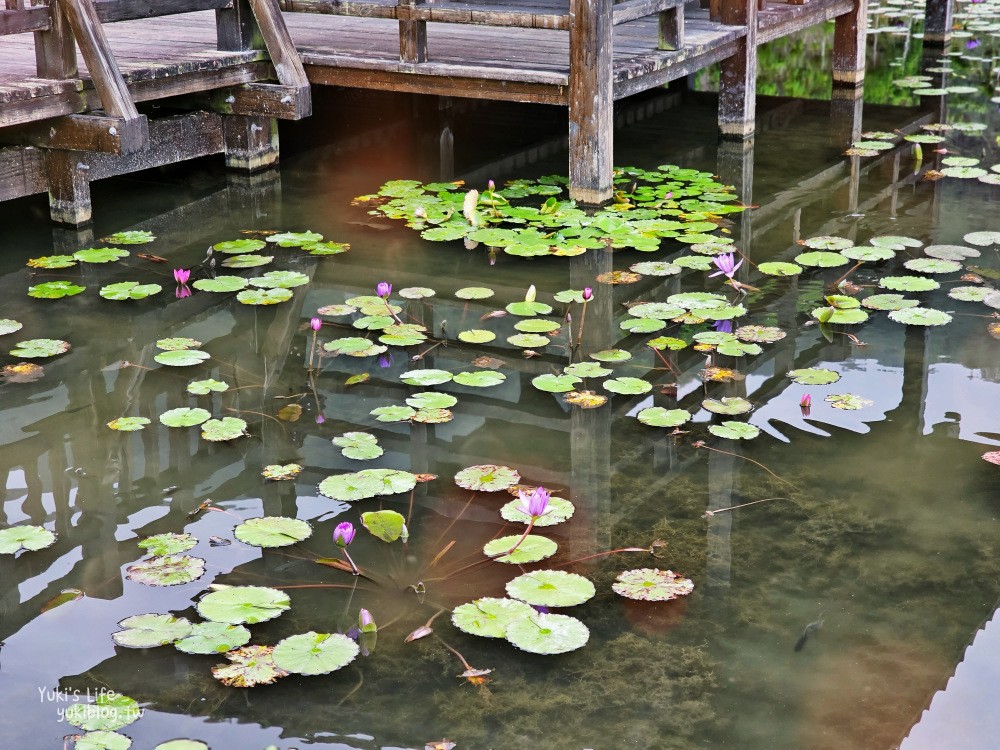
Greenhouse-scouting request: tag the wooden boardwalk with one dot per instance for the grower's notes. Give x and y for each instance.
(73, 73)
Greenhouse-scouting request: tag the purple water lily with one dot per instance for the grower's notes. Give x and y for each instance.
(588, 294)
(316, 324)
(723, 326)
(727, 265)
(536, 504)
(343, 535)
(181, 275)
(383, 289)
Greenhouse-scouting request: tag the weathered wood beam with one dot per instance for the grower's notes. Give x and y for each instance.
(111, 11)
(630, 10)
(39, 108)
(849, 39)
(477, 14)
(284, 57)
(412, 34)
(671, 29)
(55, 50)
(268, 99)
(937, 26)
(110, 135)
(69, 188)
(20, 21)
(591, 102)
(251, 142)
(22, 172)
(236, 28)
(738, 79)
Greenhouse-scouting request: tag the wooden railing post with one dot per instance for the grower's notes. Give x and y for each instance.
(412, 34)
(849, 37)
(591, 101)
(672, 28)
(738, 80)
(55, 50)
(236, 28)
(937, 26)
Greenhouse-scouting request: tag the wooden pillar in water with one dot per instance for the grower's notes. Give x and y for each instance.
(734, 163)
(69, 188)
(591, 101)
(849, 37)
(738, 80)
(846, 108)
(937, 26)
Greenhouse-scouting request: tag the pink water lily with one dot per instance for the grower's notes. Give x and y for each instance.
(181, 275)
(727, 265)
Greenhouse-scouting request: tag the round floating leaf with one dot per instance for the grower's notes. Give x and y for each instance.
(393, 413)
(169, 570)
(666, 342)
(213, 638)
(30, 538)
(425, 377)
(479, 378)
(932, 265)
(586, 370)
(476, 336)
(868, 254)
(9, 326)
(52, 262)
(847, 401)
(951, 252)
(920, 316)
(361, 445)
(264, 296)
(336, 311)
(243, 604)
(474, 292)
(22, 372)
(983, 239)
(628, 386)
(532, 549)
(54, 290)
(221, 284)
(294, 239)
(272, 531)
(354, 346)
(964, 173)
(204, 387)
(643, 325)
(959, 161)
(734, 430)
(814, 376)
(487, 478)
(548, 634)
(132, 237)
(281, 472)
(128, 424)
(37, 348)
(656, 268)
(540, 325)
(227, 428)
(314, 653)
(557, 511)
(840, 317)
(100, 254)
(126, 290)
(657, 310)
(489, 617)
(177, 343)
(416, 292)
(832, 243)
(349, 487)
(239, 246)
(149, 631)
(185, 417)
(778, 268)
(528, 309)
(102, 740)
(908, 283)
(888, 302)
(821, 260)
(247, 261)
(168, 543)
(894, 242)
(551, 588)
(428, 400)
(433, 416)
(759, 334)
(657, 416)
(251, 666)
(585, 399)
(528, 340)
(181, 357)
(652, 585)
(110, 711)
(727, 405)
(386, 525)
(279, 280)
(611, 355)
(969, 293)
(326, 248)
(555, 383)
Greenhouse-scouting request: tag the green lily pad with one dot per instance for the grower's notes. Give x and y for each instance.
(479, 378)
(528, 309)
(628, 386)
(31, 538)
(294, 239)
(951, 252)
(694, 262)
(964, 173)
(425, 378)
(213, 638)
(445, 233)
(250, 666)
(354, 346)
(433, 416)
(489, 617)
(128, 424)
(847, 401)
(476, 336)
(487, 478)
(359, 445)
(52, 262)
(314, 653)
(814, 376)
(185, 417)
(416, 292)
(908, 283)
(759, 334)
(430, 400)
(547, 634)
(734, 430)
(181, 357)
(555, 383)
(177, 343)
(870, 254)
(540, 325)
(237, 605)
(839, 317)
(168, 543)
(9, 326)
(386, 525)
(551, 588)
(894, 242)
(263, 296)
(367, 483)
(643, 325)
(557, 511)
(932, 265)
(657, 416)
(150, 630)
(221, 284)
(129, 290)
(227, 428)
(38, 348)
(652, 585)
(528, 340)
(474, 292)
(586, 370)
(888, 302)
(983, 239)
(920, 316)
(832, 243)
(611, 355)
(279, 280)
(374, 322)
(393, 413)
(108, 712)
(204, 387)
(100, 254)
(132, 237)
(272, 531)
(281, 472)
(779, 268)
(168, 570)
(182, 744)
(336, 311)
(959, 161)
(667, 342)
(656, 310)
(821, 259)
(532, 549)
(238, 247)
(246, 261)
(656, 268)
(969, 293)
(326, 248)
(727, 405)
(102, 740)
(54, 290)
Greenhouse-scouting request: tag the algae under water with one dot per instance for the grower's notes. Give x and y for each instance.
(879, 522)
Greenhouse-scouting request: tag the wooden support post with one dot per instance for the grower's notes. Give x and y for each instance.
(69, 188)
(412, 34)
(55, 50)
(672, 28)
(284, 57)
(236, 28)
(251, 143)
(849, 37)
(738, 80)
(591, 102)
(846, 107)
(110, 135)
(937, 26)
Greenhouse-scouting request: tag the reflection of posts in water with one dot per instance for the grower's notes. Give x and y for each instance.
(937, 26)
(735, 166)
(931, 65)
(255, 195)
(721, 494)
(846, 110)
(66, 240)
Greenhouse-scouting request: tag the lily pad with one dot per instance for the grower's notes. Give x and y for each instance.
(31, 538)
(528, 340)
(294, 239)
(263, 296)
(424, 378)
(888, 302)
(628, 386)
(821, 259)
(246, 261)
(894, 242)
(551, 588)
(221, 284)
(656, 268)
(204, 387)
(361, 485)
(237, 605)
(474, 292)
(250, 666)
(354, 346)
(969, 293)
(393, 413)
(532, 549)
(548, 634)
(279, 280)
(168, 570)
(55, 290)
(964, 173)
(657, 310)
(832, 243)
(52, 262)
(932, 265)
(9, 326)
(479, 378)
(868, 254)
(128, 290)
(557, 511)
(182, 744)
(433, 416)
(611, 355)
(489, 617)
(227, 428)
(102, 740)
(476, 336)
(657, 416)
(727, 405)
(759, 334)
(734, 430)
(100, 255)
(555, 383)
(814, 376)
(416, 292)
(779, 268)
(185, 417)
(281, 472)
(108, 712)
(643, 325)
(177, 343)
(360, 445)
(326, 248)
(540, 325)
(429, 400)
(951, 252)
(181, 357)
(151, 630)
(128, 424)
(386, 525)
(847, 401)
(920, 316)
(272, 531)
(487, 478)
(314, 653)
(213, 638)
(231, 247)
(665, 342)
(528, 309)
(586, 370)
(131, 237)
(908, 283)
(839, 317)
(983, 239)
(652, 585)
(38, 348)
(168, 543)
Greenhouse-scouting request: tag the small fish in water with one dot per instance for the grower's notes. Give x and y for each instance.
(813, 627)
(218, 541)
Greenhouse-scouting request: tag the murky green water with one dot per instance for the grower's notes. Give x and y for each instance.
(881, 523)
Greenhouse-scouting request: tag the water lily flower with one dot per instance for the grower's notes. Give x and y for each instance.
(536, 504)
(491, 186)
(316, 324)
(182, 291)
(588, 294)
(385, 360)
(806, 401)
(383, 289)
(366, 623)
(320, 419)
(343, 534)
(530, 295)
(181, 275)
(727, 265)
(723, 326)
(972, 44)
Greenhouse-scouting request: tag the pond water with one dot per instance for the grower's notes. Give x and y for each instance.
(826, 611)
